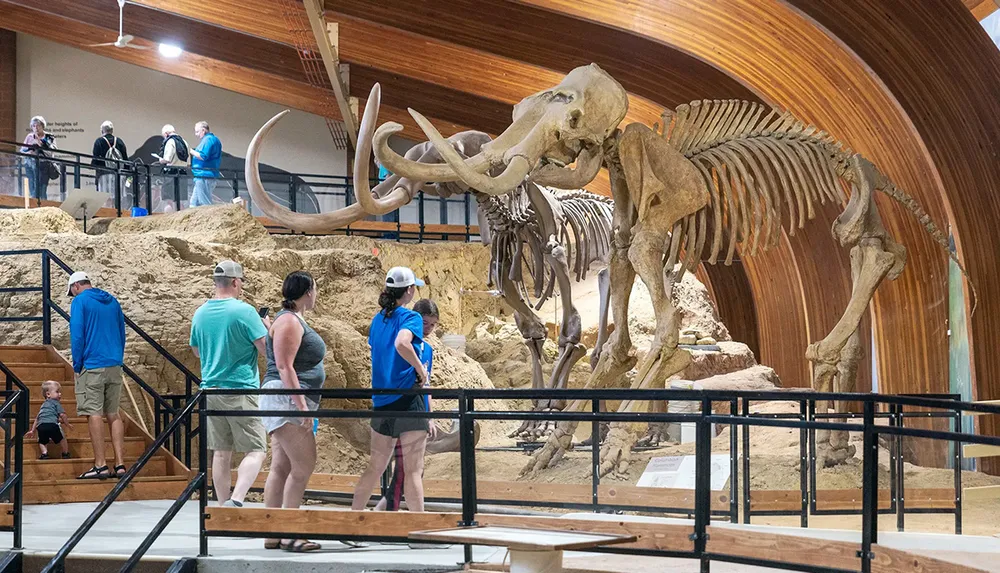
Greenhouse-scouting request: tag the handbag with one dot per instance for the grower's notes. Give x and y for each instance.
(51, 170)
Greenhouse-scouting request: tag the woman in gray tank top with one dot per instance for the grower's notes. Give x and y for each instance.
(294, 360)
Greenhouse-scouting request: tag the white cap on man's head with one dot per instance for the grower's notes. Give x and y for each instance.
(228, 269)
(75, 278)
(400, 277)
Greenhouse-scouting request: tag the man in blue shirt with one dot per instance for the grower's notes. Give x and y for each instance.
(97, 342)
(205, 160)
(227, 335)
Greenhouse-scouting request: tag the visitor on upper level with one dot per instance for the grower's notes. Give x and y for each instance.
(227, 335)
(97, 343)
(37, 170)
(112, 149)
(205, 161)
(173, 156)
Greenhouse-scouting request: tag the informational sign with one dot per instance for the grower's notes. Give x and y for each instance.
(678, 472)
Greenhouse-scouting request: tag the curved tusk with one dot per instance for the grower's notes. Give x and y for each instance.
(303, 222)
(435, 173)
(362, 153)
(504, 183)
(587, 165)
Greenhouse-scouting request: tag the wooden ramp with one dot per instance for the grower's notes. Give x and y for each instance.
(54, 480)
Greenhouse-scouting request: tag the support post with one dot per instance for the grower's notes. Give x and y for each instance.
(957, 422)
(746, 462)
(734, 466)
(203, 468)
(804, 466)
(595, 453)
(467, 456)
(703, 483)
(46, 299)
(869, 487)
(21, 427)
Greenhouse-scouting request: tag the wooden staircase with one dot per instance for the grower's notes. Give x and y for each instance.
(54, 480)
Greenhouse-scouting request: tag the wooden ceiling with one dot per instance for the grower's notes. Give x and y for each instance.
(909, 87)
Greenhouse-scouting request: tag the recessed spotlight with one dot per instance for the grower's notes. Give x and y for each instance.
(170, 50)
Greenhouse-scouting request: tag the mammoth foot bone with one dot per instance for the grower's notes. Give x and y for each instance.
(833, 448)
(655, 435)
(616, 455)
(554, 449)
(534, 429)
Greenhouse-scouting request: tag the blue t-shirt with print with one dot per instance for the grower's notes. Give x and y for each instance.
(389, 370)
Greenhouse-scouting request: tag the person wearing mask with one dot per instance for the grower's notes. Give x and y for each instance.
(97, 343)
(396, 337)
(226, 335)
(294, 361)
(109, 156)
(35, 169)
(205, 161)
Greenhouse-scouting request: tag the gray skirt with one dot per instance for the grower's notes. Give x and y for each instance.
(276, 402)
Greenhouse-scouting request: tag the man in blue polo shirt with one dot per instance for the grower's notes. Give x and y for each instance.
(205, 161)
(227, 335)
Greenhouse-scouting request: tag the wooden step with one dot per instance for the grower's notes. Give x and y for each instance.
(60, 469)
(82, 448)
(78, 429)
(78, 490)
(24, 354)
(40, 371)
(68, 404)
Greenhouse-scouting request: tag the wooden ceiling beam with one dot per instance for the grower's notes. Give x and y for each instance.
(239, 79)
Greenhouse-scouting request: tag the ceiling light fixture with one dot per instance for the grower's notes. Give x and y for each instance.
(170, 50)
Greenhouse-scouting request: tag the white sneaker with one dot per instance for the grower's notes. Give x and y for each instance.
(231, 503)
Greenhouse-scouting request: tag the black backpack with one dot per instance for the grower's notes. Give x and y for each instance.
(179, 145)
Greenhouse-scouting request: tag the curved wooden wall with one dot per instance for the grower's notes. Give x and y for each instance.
(944, 71)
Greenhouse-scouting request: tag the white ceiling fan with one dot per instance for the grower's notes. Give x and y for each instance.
(123, 39)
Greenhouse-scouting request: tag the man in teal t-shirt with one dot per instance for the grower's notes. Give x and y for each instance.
(227, 335)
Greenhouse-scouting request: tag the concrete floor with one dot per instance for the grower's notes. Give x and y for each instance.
(125, 524)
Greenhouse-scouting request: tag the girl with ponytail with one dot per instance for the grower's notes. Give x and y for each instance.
(396, 340)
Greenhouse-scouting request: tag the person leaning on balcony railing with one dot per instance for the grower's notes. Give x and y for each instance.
(35, 168)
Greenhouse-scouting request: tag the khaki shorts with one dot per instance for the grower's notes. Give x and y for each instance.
(98, 391)
(235, 433)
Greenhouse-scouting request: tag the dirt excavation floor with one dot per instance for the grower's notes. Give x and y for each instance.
(159, 268)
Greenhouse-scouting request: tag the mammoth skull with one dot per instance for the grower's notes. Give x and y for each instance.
(550, 130)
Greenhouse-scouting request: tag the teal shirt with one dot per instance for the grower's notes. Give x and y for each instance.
(223, 331)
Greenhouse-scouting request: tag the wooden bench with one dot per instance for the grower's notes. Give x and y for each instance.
(531, 550)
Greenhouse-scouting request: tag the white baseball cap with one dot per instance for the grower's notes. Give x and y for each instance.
(401, 277)
(75, 278)
(229, 269)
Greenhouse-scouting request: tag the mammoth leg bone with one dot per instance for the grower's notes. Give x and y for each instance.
(617, 356)
(570, 349)
(874, 256)
(664, 357)
(533, 331)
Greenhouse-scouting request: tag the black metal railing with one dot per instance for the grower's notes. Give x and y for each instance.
(150, 187)
(57, 563)
(180, 441)
(14, 417)
(467, 414)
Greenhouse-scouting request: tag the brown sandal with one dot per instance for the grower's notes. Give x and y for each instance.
(301, 546)
(272, 544)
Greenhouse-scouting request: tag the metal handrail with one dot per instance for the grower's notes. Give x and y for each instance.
(702, 511)
(22, 400)
(58, 560)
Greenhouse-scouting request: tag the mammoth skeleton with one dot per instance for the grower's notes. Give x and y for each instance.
(555, 235)
(720, 174)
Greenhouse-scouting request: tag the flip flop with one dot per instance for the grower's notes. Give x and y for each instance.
(95, 473)
(301, 546)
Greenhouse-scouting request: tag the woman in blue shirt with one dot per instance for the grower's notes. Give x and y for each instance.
(396, 340)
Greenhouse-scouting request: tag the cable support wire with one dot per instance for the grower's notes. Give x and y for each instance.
(312, 64)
